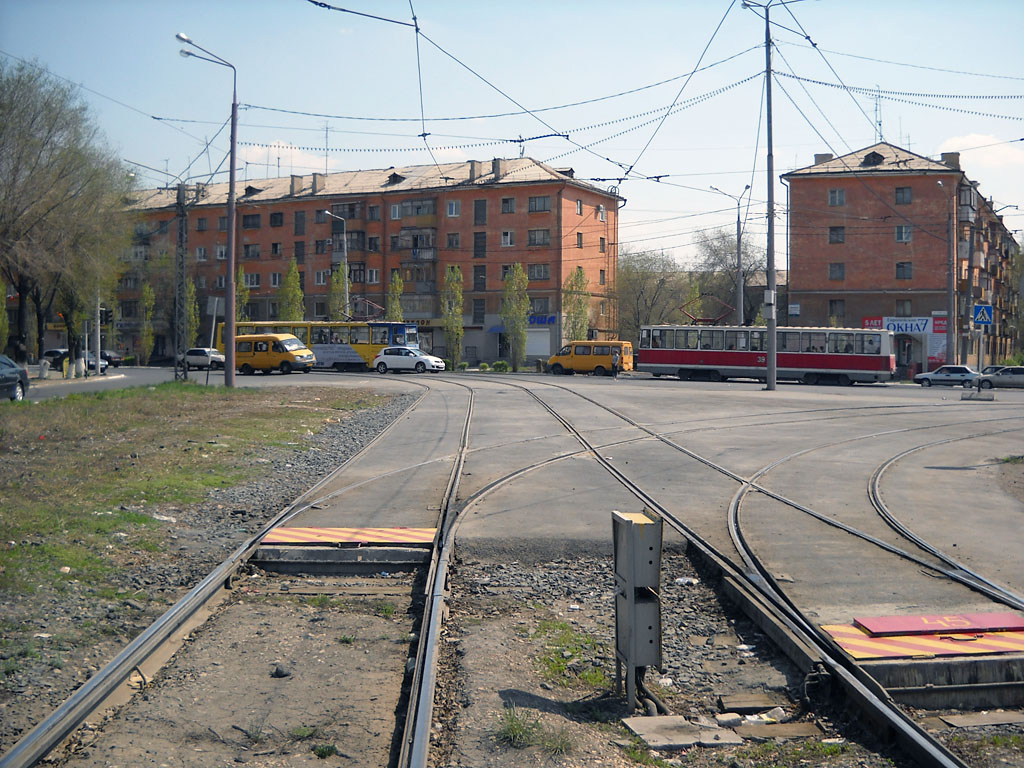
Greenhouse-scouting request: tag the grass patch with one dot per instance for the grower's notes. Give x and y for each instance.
(324, 751)
(385, 608)
(303, 732)
(567, 658)
(519, 730)
(791, 755)
(347, 639)
(1012, 460)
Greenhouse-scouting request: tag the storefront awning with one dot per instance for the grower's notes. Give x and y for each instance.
(496, 329)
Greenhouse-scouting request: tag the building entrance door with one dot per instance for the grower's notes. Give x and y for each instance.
(907, 362)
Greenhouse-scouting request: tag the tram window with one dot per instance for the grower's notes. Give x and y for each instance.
(301, 332)
(788, 341)
(812, 342)
(712, 339)
(582, 349)
(378, 334)
(283, 329)
(360, 334)
(736, 340)
(339, 334)
(757, 343)
(872, 343)
(840, 343)
(691, 341)
(660, 338)
(398, 333)
(645, 338)
(412, 335)
(321, 335)
(244, 330)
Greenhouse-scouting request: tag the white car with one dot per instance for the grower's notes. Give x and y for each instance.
(951, 375)
(406, 359)
(203, 357)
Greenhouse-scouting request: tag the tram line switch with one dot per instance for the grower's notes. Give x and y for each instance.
(637, 542)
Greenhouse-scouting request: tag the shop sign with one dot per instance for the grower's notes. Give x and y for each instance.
(907, 324)
(543, 319)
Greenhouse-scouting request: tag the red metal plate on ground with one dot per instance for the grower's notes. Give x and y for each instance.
(860, 645)
(880, 626)
(393, 536)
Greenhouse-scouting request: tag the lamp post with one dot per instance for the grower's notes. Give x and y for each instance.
(229, 282)
(344, 256)
(951, 319)
(739, 252)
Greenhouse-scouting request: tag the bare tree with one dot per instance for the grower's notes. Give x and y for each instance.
(651, 287)
(716, 277)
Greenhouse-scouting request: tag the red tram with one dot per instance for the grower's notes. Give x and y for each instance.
(810, 355)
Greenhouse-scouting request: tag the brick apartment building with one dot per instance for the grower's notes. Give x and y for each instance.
(412, 221)
(868, 247)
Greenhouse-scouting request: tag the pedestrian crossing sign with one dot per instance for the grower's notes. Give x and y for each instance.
(983, 314)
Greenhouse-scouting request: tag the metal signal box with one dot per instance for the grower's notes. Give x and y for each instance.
(637, 539)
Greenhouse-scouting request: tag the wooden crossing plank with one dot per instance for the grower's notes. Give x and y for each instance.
(341, 536)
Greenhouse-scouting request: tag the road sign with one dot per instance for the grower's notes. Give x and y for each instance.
(983, 314)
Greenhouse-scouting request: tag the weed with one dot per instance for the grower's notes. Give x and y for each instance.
(347, 639)
(517, 729)
(555, 743)
(385, 608)
(255, 731)
(640, 754)
(303, 732)
(565, 652)
(1012, 460)
(324, 751)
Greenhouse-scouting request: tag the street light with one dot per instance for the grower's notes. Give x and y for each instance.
(344, 256)
(229, 283)
(739, 257)
(951, 319)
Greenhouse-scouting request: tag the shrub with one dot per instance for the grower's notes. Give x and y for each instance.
(485, 367)
(463, 366)
(502, 366)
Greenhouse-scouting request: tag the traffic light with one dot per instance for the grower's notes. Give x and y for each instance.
(106, 316)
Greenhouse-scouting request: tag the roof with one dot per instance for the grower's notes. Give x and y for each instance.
(470, 173)
(877, 159)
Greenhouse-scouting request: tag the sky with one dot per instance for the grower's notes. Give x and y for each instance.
(658, 100)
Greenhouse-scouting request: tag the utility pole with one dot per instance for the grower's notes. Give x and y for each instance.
(739, 252)
(180, 275)
(344, 258)
(769, 294)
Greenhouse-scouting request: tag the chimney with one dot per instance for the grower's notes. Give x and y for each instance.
(319, 182)
(952, 159)
(296, 185)
(475, 169)
(824, 157)
(498, 167)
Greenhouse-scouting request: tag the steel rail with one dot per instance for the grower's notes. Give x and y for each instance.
(39, 741)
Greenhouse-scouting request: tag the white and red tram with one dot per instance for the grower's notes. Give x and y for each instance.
(810, 355)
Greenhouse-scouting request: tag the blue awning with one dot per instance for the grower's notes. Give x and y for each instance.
(496, 329)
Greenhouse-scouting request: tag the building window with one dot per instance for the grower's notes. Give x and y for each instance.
(579, 239)
(506, 270)
(219, 285)
(602, 213)
(252, 310)
(479, 245)
(373, 276)
(300, 223)
(479, 213)
(201, 224)
(540, 204)
(539, 237)
(201, 281)
(129, 309)
(602, 308)
(321, 276)
(320, 246)
(200, 253)
(277, 219)
(903, 196)
(300, 251)
(903, 308)
(601, 280)
(373, 213)
(320, 217)
(275, 249)
(252, 279)
(480, 277)
(222, 252)
(837, 308)
(837, 270)
(373, 244)
(396, 211)
(538, 272)
(904, 270)
(251, 221)
(357, 272)
(162, 227)
(903, 233)
(540, 305)
(454, 208)
(836, 235)
(251, 251)
(222, 223)
(320, 308)
(601, 245)
(508, 205)
(836, 197)
(275, 279)
(479, 309)
(579, 207)
(453, 239)
(508, 237)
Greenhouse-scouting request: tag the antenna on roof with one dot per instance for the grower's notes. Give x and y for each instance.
(878, 113)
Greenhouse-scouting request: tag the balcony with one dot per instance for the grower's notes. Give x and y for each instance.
(423, 254)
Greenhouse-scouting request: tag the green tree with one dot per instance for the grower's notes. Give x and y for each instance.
(191, 314)
(394, 302)
(146, 303)
(291, 303)
(336, 295)
(241, 295)
(515, 312)
(4, 322)
(576, 305)
(451, 314)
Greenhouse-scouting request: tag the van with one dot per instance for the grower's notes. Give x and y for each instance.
(591, 357)
(267, 351)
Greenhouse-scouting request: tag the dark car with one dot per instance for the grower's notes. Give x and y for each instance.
(112, 357)
(13, 379)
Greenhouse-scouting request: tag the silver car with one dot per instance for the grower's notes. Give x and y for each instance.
(203, 357)
(1010, 376)
(949, 375)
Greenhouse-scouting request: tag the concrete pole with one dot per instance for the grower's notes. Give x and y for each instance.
(770, 293)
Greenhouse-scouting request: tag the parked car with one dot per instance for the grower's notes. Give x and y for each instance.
(13, 379)
(991, 369)
(203, 357)
(112, 357)
(92, 363)
(55, 356)
(406, 359)
(950, 375)
(1009, 376)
